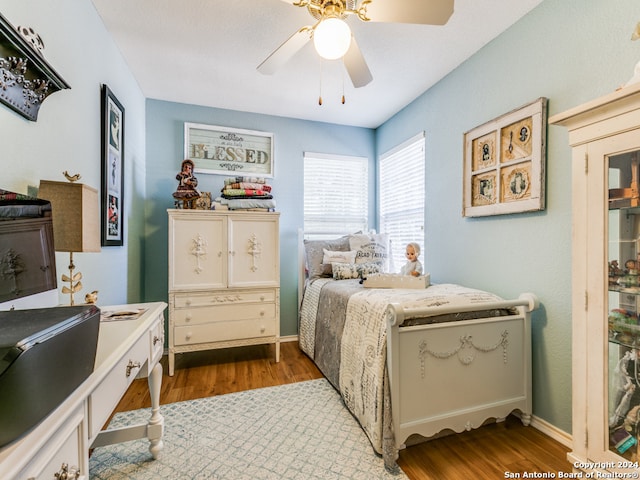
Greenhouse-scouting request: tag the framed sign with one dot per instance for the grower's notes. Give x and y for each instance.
(229, 151)
(111, 199)
(504, 163)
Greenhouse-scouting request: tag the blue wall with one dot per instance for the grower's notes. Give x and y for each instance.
(67, 136)
(569, 51)
(165, 151)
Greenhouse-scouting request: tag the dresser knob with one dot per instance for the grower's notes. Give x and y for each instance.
(187, 336)
(262, 298)
(262, 329)
(187, 318)
(187, 301)
(262, 313)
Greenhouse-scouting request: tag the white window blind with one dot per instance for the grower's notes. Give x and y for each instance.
(401, 208)
(335, 194)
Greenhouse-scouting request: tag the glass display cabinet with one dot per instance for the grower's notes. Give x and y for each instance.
(605, 138)
(623, 280)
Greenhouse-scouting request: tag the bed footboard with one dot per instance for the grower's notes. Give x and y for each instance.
(457, 375)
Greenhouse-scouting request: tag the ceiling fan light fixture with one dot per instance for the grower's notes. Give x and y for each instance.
(332, 38)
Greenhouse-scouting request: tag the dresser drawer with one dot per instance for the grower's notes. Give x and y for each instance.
(224, 331)
(186, 300)
(199, 316)
(106, 396)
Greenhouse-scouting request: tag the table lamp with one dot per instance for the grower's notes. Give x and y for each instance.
(76, 223)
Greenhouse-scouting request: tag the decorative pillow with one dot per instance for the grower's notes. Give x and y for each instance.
(346, 271)
(331, 256)
(371, 248)
(314, 253)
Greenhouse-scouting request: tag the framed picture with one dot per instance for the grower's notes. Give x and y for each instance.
(229, 151)
(504, 163)
(111, 199)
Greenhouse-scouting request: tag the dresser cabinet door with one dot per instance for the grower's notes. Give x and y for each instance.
(197, 246)
(254, 251)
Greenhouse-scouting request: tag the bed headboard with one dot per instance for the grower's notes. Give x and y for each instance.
(302, 259)
(371, 247)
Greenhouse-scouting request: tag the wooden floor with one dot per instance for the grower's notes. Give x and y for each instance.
(491, 452)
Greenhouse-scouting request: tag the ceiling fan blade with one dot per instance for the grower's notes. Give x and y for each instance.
(356, 66)
(284, 52)
(424, 12)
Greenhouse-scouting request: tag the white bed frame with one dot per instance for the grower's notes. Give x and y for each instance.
(458, 375)
(455, 375)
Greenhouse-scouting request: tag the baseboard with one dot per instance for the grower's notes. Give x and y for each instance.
(552, 431)
(289, 338)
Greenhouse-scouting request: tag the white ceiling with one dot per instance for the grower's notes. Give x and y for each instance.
(205, 52)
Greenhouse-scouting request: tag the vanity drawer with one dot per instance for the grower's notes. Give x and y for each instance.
(199, 316)
(156, 340)
(186, 300)
(65, 447)
(224, 331)
(106, 396)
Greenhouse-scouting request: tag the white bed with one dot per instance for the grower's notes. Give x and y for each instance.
(410, 361)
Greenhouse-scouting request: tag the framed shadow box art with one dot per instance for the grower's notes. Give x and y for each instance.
(504, 163)
(111, 201)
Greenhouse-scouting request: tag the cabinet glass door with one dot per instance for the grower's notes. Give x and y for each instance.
(622, 363)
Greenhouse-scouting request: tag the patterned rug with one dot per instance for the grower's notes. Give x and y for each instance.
(299, 431)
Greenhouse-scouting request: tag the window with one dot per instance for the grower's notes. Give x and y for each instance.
(401, 209)
(335, 194)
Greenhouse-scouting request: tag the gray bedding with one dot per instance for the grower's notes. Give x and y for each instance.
(332, 309)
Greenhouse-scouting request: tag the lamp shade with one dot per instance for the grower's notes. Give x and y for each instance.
(332, 38)
(76, 221)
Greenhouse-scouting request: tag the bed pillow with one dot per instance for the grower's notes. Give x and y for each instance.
(347, 271)
(333, 256)
(314, 254)
(371, 248)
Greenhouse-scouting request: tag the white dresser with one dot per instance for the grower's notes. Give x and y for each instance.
(224, 280)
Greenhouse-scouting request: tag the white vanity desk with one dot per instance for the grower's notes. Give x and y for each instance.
(127, 349)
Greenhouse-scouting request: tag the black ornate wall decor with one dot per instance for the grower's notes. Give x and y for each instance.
(26, 78)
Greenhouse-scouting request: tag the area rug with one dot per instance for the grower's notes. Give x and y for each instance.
(299, 431)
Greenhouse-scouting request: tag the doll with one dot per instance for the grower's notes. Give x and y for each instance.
(187, 190)
(413, 265)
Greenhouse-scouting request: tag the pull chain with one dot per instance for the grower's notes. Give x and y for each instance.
(343, 98)
(320, 95)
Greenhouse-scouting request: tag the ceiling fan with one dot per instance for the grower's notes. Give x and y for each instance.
(332, 36)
